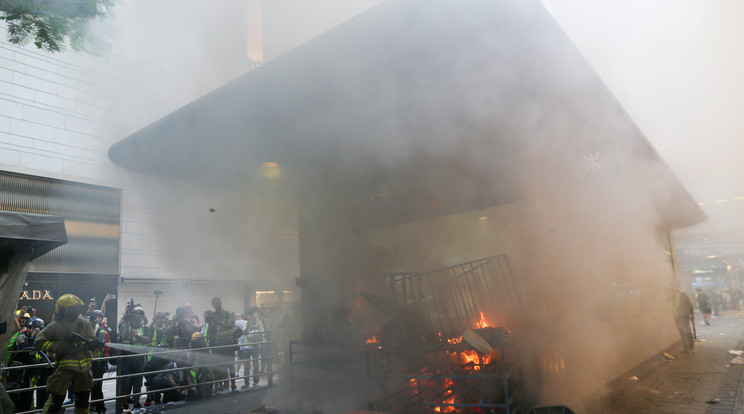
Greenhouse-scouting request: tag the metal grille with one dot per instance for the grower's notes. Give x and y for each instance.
(458, 297)
(92, 219)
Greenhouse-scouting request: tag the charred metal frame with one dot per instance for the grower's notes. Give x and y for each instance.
(452, 298)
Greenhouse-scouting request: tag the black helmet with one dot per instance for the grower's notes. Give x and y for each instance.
(35, 322)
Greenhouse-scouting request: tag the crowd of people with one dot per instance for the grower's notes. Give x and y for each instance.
(178, 358)
(725, 299)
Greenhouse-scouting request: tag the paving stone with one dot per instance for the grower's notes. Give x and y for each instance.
(686, 383)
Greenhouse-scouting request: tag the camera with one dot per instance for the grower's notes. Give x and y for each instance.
(129, 310)
(210, 317)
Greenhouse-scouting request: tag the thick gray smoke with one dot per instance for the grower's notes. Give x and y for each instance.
(512, 147)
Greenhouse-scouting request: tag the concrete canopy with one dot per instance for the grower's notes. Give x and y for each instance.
(440, 102)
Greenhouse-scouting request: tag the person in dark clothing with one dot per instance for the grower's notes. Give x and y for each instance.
(98, 367)
(199, 376)
(737, 296)
(184, 327)
(682, 312)
(20, 344)
(219, 334)
(157, 332)
(133, 331)
(703, 302)
(715, 301)
(173, 377)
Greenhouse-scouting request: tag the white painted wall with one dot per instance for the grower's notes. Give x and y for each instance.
(60, 113)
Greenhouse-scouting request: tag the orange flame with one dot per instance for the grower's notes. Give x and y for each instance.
(472, 357)
(373, 340)
(446, 408)
(454, 341)
(482, 323)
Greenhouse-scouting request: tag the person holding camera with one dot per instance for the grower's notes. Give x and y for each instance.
(71, 338)
(220, 333)
(133, 332)
(16, 379)
(157, 332)
(98, 368)
(183, 328)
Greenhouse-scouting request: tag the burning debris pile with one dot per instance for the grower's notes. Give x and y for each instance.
(467, 374)
(438, 353)
(443, 346)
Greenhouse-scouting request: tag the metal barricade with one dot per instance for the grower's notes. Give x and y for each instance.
(453, 298)
(268, 361)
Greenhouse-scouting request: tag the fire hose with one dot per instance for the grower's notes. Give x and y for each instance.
(31, 349)
(71, 337)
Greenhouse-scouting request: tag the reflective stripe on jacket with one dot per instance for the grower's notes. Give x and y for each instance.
(52, 338)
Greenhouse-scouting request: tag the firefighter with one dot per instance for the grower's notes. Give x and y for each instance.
(71, 338)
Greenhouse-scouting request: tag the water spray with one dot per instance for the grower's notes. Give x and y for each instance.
(159, 352)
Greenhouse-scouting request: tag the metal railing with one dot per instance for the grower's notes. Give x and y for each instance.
(266, 360)
(452, 298)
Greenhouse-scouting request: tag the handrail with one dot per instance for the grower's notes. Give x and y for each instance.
(134, 355)
(165, 353)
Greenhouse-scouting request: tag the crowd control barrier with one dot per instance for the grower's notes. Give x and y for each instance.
(267, 361)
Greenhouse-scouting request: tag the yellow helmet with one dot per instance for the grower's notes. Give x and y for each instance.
(67, 300)
(196, 335)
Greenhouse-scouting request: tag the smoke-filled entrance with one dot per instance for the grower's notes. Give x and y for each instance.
(449, 137)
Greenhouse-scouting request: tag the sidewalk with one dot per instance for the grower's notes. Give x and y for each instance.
(706, 381)
(238, 403)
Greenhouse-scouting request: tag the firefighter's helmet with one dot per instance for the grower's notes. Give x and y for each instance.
(65, 301)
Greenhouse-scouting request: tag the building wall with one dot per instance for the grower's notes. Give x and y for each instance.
(56, 119)
(60, 113)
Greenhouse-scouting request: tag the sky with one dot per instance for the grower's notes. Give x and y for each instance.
(674, 65)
